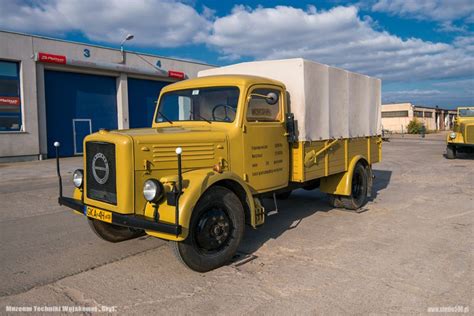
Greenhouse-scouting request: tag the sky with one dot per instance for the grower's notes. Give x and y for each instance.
(422, 50)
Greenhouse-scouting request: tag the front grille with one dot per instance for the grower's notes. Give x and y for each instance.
(101, 172)
(194, 152)
(470, 134)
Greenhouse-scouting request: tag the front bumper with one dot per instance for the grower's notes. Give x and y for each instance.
(458, 145)
(132, 221)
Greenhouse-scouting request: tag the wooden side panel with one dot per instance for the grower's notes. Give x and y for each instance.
(336, 158)
(357, 146)
(375, 144)
(318, 170)
(296, 163)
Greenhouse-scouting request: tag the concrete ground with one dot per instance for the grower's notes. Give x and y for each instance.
(411, 251)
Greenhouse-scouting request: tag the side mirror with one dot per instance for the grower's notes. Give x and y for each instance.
(271, 98)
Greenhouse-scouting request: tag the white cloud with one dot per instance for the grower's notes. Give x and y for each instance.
(445, 98)
(412, 93)
(437, 10)
(337, 37)
(162, 23)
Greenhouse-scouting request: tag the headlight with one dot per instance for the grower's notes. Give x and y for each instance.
(78, 178)
(452, 135)
(153, 190)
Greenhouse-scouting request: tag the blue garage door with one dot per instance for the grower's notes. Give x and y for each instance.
(142, 95)
(77, 105)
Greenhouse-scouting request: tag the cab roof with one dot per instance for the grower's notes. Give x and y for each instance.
(221, 80)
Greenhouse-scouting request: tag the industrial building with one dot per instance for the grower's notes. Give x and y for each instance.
(396, 116)
(53, 90)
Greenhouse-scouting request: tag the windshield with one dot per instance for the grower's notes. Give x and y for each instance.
(466, 112)
(216, 104)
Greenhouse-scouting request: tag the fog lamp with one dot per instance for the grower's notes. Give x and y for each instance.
(78, 178)
(153, 190)
(452, 135)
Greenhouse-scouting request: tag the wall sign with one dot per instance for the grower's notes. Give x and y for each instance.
(176, 74)
(9, 101)
(51, 58)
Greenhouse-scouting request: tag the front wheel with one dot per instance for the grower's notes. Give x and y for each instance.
(113, 233)
(215, 231)
(359, 189)
(450, 152)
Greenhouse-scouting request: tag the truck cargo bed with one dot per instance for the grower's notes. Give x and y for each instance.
(307, 164)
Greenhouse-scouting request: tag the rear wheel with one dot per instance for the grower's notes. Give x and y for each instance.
(335, 201)
(215, 231)
(359, 189)
(450, 152)
(113, 233)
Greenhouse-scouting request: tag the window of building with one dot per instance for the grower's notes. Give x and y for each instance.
(10, 102)
(428, 114)
(395, 114)
(418, 113)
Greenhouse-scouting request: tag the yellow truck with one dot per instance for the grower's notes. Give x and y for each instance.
(461, 139)
(222, 142)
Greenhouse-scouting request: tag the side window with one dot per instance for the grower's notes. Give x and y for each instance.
(261, 108)
(10, 102)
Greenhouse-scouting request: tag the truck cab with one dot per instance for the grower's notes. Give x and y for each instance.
(461, 139)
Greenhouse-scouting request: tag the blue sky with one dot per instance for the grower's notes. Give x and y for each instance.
(422, 50)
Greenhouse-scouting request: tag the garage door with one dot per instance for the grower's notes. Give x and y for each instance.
(142, 95)
(77, 105)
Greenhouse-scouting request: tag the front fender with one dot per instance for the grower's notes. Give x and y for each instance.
(195, 183)
(341, 183)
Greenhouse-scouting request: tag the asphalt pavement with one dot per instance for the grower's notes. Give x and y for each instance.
(410, 251)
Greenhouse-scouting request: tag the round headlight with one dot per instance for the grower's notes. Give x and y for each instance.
(153, 190)
(78, 178)
(452, 135)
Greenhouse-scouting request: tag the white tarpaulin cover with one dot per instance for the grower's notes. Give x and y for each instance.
(327, 102)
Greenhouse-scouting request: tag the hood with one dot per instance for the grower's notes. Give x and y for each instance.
(155, 148)
(465, 120)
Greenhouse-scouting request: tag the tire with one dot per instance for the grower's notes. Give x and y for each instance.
(215, 231)
(113, 233)
(359, 189)
(335, 201)
(450, 152)
(284, 195)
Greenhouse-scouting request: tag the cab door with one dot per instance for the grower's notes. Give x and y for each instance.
(265, 155)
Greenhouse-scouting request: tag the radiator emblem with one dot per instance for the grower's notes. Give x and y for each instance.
(100, 168)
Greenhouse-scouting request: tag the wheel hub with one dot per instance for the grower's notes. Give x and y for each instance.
(213, 230)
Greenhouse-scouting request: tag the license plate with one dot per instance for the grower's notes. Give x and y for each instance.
(101, 215)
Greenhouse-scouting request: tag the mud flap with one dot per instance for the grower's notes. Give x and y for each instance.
(259, 212)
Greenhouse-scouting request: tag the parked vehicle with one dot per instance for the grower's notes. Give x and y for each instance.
(461, 139)
(219, 144)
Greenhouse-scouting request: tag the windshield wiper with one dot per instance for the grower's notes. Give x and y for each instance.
(205, 119)
(163, 116)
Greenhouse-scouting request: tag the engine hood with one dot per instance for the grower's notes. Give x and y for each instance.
(154, 148)
(465, 120)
